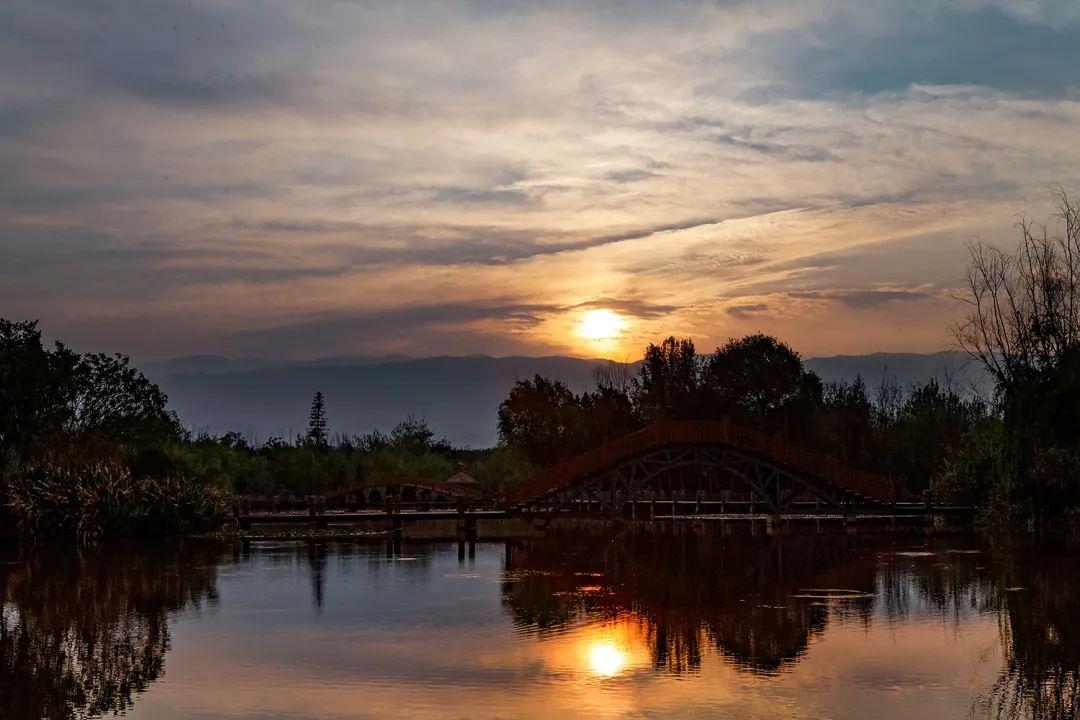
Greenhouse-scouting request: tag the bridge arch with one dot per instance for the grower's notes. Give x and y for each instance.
(774, 472)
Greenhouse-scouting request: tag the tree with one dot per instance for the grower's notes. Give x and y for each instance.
(760, 381)
(542, 419)
(316, 433)
(1024, 304)
(1023, 326)
(666, 386)
(114, 403)
(57, 398)
(413, 435)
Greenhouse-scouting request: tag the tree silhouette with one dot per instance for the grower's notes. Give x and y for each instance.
(317, 420)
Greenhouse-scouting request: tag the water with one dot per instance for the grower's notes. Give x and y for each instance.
(574, 625)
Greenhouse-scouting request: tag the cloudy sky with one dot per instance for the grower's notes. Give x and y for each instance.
(297, 178)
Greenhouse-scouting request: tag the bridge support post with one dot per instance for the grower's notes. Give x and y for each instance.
(697, 504)
(316, 511)
(243, 513)
(773, 523)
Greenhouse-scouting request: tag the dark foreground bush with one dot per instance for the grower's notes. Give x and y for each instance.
(89, 500)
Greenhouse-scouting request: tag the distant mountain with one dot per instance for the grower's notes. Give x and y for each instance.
(904, 369)
(213, 364)
(458, 396)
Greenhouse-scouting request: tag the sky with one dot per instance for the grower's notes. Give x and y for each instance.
(300, 179)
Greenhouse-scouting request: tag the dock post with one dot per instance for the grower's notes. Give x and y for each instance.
(850, 519)
(315, 511)
(393, 509)
(243, 513)
(928, 511)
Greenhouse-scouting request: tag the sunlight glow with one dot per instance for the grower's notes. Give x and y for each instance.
(601, 325)
(606, 660)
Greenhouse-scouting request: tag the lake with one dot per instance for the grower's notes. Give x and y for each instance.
(685, 622)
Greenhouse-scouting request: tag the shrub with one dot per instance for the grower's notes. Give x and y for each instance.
(98, 498)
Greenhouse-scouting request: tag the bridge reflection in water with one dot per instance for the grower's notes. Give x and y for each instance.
(641, 623)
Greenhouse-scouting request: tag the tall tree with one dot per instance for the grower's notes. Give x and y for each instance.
(317, 420)
(666, 386)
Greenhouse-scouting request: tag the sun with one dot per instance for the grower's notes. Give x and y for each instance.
(600, 325)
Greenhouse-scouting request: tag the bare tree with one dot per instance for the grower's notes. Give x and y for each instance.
(1024, 304)
(614, 375)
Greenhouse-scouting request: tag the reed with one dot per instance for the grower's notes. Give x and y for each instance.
(92, 498)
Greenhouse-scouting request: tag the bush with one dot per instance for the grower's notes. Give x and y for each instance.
(93, 499)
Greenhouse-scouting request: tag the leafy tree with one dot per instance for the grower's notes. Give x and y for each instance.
(760, 381)
(541, 418)
(846, 422)
(412, 436)
(606, 414)
(666, 386)
(35, 389)
(57, 398)
(114, 403)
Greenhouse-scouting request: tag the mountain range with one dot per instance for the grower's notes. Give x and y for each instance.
(457, 396)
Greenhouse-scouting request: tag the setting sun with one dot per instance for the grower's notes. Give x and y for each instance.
(601, 324)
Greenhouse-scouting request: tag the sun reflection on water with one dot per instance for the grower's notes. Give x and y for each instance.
(606, 659)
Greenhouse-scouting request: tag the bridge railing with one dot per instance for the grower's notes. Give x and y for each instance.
(699, 432)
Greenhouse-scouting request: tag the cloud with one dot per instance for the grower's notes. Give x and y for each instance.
(747, 311)
(265, 166)
(402, 329)
(861, 299)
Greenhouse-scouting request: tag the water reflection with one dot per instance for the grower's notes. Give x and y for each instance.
(648, 624)
(756, 599)
(83, 633)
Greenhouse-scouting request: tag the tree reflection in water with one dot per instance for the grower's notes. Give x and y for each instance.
(759, 600)
(82, 633)
(739, 593)
(1040, 628)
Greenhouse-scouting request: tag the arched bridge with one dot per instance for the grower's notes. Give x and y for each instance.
(689, 460)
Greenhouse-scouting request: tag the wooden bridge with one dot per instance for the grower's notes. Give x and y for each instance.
(679, 470)
(692, 461)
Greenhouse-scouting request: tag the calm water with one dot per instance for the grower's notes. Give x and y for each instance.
(574, 625)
